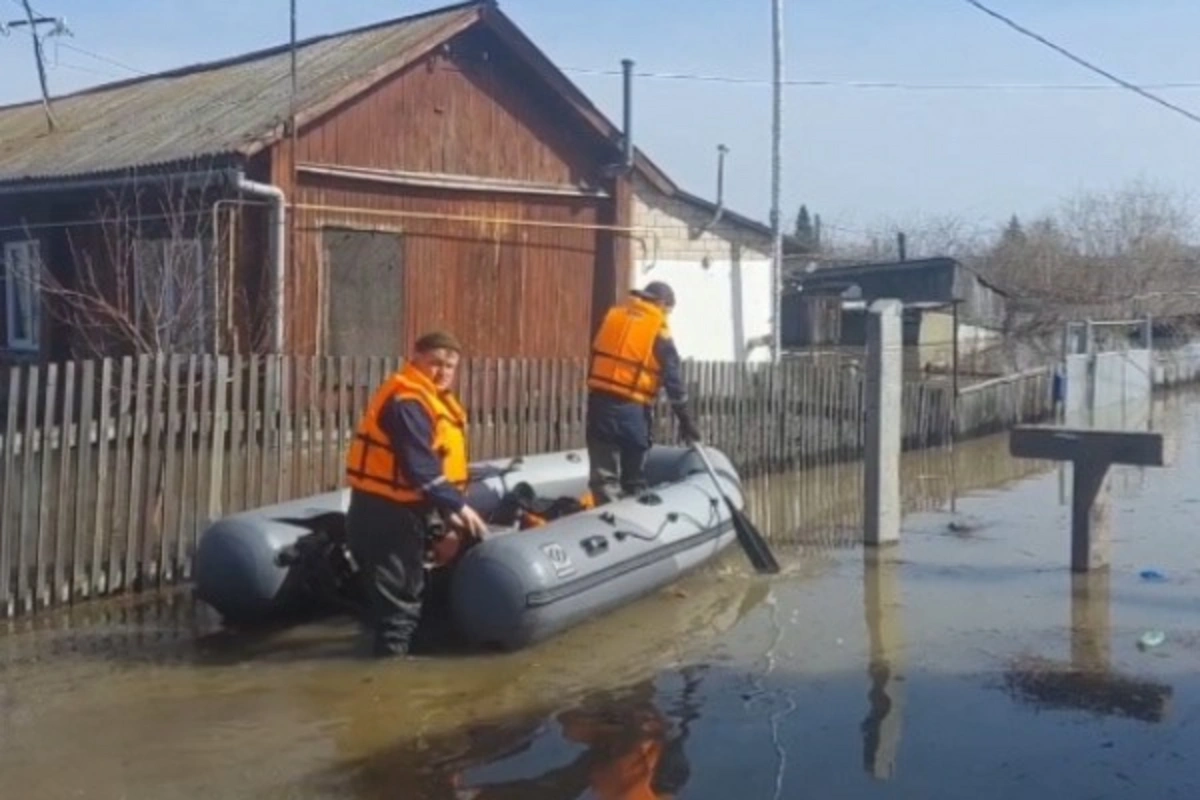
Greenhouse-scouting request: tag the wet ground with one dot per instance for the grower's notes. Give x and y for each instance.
(965, 662)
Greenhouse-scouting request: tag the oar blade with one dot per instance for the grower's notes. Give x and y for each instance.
(756, 547)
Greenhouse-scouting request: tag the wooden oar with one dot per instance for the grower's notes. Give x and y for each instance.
(752, 542)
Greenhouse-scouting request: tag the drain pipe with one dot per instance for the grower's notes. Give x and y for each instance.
(278, 252)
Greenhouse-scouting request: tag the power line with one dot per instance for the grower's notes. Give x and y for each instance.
(1086, 64)
(904, 85)
(101, 57)
(869, 85)
(694, 77)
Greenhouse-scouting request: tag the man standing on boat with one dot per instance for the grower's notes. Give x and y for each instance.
(406, 467)
(633, 355)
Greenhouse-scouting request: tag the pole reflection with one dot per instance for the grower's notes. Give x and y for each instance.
(883, 612)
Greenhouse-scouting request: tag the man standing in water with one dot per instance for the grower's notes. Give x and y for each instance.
(407, 465)
(632, 356)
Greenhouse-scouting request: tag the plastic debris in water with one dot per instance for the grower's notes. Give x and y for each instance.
(1152, 575)
(1151, 639)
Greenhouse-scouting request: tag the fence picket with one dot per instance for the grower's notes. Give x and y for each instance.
(9, 531)
(171, 484)
(63, 533)
(156, 490)
(45, 536)
(85, 480)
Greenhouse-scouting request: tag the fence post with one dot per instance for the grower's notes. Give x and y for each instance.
(884, 383)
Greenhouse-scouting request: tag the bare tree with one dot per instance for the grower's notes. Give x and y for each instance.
(1102, 248)
(926, 236)
(147, 267)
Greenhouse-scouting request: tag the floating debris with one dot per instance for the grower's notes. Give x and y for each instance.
(1151, 639)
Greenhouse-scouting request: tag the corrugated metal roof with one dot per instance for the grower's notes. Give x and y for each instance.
(203, 110)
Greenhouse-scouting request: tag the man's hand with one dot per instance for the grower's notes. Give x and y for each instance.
(469, 521)
(687, 428)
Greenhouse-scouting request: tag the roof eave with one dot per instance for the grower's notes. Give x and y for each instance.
(220, 164)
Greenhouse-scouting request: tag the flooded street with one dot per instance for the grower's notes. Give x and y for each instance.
(966, 662)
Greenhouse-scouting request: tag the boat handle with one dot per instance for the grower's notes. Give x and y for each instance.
(593, 545)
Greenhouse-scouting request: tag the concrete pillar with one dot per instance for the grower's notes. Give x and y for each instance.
(881, 479)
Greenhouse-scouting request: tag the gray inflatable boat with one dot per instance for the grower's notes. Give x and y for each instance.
(515, 588)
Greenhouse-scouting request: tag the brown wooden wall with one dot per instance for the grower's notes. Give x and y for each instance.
(506, 289)
(474, 111)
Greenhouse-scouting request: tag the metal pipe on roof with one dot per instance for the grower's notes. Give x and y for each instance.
(720, 209)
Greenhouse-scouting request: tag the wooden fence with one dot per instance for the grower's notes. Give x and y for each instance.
(1000, 403)
(110, 470)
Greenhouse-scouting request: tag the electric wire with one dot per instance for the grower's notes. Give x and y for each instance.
(1082, 62)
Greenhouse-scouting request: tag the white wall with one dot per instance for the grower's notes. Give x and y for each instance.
(721, 276)
(973, 338)
(706, 323)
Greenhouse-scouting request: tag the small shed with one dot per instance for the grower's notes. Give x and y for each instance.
(945, 304)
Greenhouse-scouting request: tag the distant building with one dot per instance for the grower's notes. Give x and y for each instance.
(828, 307)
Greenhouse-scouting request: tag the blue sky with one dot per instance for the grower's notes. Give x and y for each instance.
(858, 156)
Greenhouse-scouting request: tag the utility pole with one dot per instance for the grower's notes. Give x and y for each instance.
(776, 181)
(292, 70)
(293, 168)
(32, 22)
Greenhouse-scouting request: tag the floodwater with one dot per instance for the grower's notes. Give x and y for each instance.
(966, 661)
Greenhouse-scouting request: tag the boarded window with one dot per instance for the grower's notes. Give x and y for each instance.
(365, 276)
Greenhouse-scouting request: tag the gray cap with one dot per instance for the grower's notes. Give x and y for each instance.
(657, 290)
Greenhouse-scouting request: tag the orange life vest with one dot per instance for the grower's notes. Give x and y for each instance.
(530, 519)
(371, 463)
(623, 360)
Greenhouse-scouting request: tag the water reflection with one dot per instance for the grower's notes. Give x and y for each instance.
(631, 750)
(617, 744)
(883, 612)
(821, 509)
(1087, 682)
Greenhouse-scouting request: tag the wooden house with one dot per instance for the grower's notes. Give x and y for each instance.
(430, 171)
